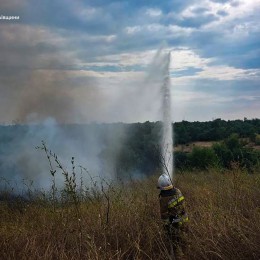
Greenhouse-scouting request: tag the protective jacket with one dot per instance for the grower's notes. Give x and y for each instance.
(172, 207)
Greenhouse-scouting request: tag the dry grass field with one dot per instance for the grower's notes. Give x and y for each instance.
(122, 221)
(188, 147)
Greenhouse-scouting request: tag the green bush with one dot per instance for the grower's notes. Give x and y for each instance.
(203, 158)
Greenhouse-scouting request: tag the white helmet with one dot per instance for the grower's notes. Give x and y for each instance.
(164, 182)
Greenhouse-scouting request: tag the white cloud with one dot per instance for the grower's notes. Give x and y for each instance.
(185, 58)
(85, 13)
(167, 31)
(227, 73)
(133, 29)
(188, 96)
(153, 12)
(243, 10)
(181, 60)
(128, 59)
(154, 27)
(93, 38)
(179, 31)
(233, 20)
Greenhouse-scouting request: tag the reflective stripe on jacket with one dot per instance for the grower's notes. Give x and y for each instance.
(172, 206)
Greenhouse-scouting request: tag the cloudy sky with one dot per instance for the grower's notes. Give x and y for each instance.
(83, 61)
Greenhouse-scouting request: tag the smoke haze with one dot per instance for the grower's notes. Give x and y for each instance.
(44, 94)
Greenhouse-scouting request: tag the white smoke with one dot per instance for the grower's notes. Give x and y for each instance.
(21, 163)
(148, 96)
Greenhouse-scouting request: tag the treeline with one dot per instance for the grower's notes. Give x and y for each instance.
(216, 130)
(134, 149)
(141, 149)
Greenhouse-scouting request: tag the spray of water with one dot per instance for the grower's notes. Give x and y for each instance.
(167, 140)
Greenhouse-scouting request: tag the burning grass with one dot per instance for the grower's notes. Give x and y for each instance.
(122, 221)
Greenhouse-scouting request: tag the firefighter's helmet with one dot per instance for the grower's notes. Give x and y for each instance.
(164, 182)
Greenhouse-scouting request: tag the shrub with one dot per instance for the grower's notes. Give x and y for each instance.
(203, 158)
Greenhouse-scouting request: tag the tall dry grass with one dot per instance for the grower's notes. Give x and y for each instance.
(122, 221)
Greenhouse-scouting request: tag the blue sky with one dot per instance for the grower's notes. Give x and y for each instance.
(82, 61)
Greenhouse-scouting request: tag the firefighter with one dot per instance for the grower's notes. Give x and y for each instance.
(173, 214)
